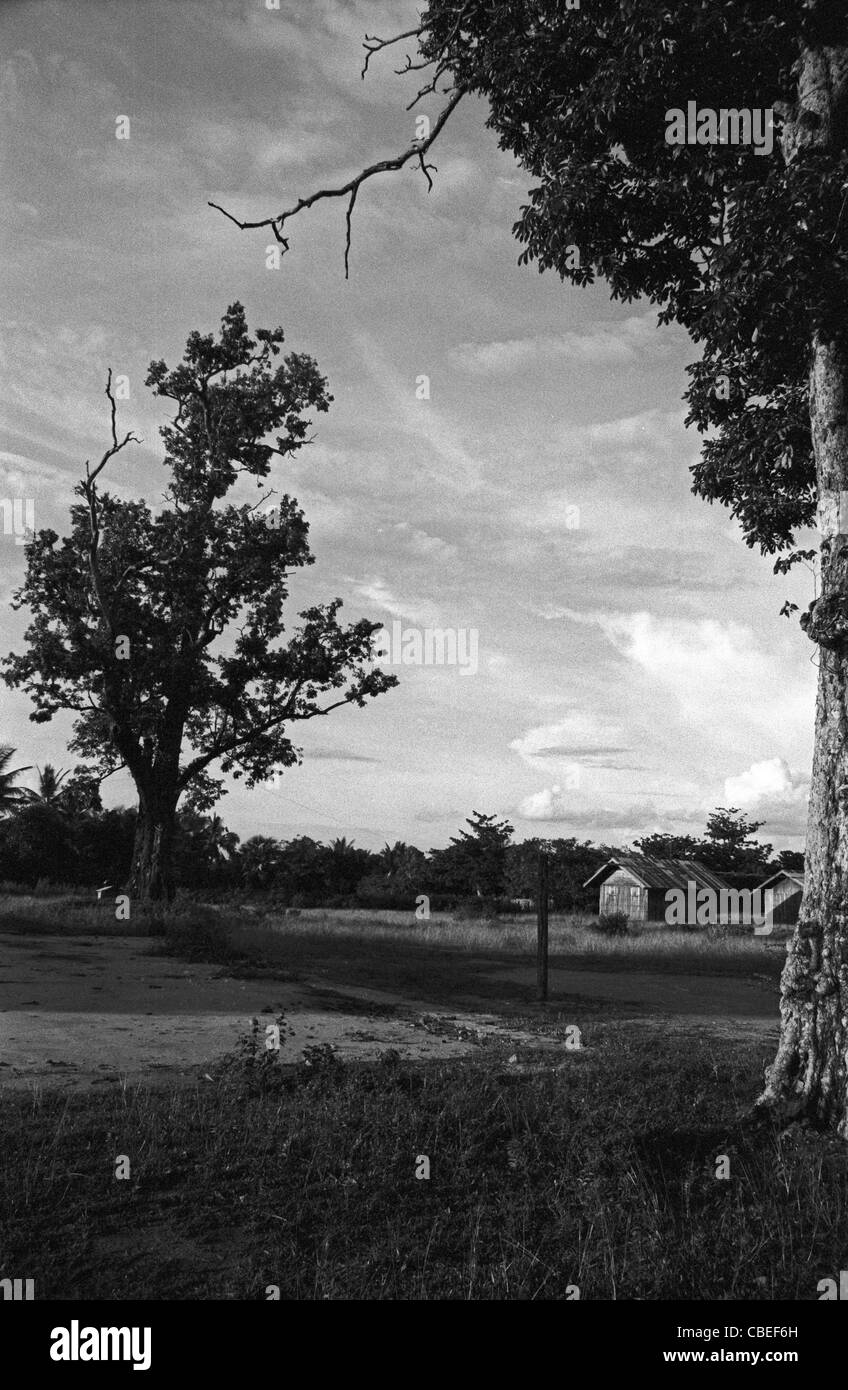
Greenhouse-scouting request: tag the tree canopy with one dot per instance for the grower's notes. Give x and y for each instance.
(131, 613)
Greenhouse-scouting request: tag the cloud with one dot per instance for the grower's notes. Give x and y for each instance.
(548, 804)
(22, 473)
(771, 791)
(424, 421)
(376, 592)
(709, 666)
(649, 426)
(419, 542)
(435, 815)
(608, 344)
(557, 747)
(770, 778)
(635, 819)
(340, 756)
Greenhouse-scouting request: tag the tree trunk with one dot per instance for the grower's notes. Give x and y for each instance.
(151, 876)
(809, 1076)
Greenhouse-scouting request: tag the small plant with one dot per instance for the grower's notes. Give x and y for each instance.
(253, 1062)
(320, 1060)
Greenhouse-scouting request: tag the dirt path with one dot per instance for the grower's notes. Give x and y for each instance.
(81, 1011)
(76, 1011)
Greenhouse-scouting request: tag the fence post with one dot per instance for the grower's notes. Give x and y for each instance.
(542, 929)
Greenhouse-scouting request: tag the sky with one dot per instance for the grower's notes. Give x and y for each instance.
(532, 494)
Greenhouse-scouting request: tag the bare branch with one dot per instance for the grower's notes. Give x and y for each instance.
(429, 87)
(413, 67)
(116, 447)
(374, 45)
(89, 491)
(349, 190)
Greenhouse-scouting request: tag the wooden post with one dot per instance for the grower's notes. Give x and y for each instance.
(542, 928)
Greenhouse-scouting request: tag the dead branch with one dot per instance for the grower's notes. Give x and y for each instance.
(88, 488)
(116, 447)
(374, 45)
(349, 190)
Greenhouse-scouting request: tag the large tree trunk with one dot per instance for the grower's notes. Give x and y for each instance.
(151, 876)
(809, 1076)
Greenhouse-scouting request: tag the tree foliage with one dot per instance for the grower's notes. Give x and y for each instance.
(164, 628)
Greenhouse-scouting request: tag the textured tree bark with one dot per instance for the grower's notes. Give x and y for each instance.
(809, 1076)
(151, 876)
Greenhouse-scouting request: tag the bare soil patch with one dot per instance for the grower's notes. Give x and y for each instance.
(99, 1010)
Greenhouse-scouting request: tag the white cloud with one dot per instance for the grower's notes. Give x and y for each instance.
(771, 791)
(608, 344)
(553, 745)
(21, 473)
(419, 542)
(548, 804)
(769, 778)
(375, 591)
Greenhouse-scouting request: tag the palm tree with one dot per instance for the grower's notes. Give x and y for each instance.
(10, 795)
(393, 856)
(218, 842)
(49, 782)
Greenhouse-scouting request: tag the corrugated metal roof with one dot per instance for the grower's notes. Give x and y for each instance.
(795, 875)
(660, 873)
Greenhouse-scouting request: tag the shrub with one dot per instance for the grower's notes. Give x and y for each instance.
(612, 924)
(252, 1067)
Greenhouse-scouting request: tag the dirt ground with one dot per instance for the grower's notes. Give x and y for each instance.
(85, 1011)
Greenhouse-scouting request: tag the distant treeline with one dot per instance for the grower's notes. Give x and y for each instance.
(66, 837)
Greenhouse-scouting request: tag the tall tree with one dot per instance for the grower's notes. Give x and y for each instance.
(345, 865)
(729, 846)
(480, 854)
(130, 611)
(746, 247)
(662, 846)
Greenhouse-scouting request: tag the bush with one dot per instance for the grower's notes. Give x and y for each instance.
(612, 924)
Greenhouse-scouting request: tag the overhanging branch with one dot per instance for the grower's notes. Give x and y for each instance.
(374, 45)
(349, 190)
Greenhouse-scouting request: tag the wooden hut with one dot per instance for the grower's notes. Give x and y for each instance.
(640, 887)
(787, 889)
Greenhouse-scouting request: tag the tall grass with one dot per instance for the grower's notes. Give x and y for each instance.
(270, 938)
(72, 915)
(567, 935)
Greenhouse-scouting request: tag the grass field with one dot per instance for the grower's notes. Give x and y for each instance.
(268, 937)
(449, 960)
(594, 1170)
(600, 1174)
